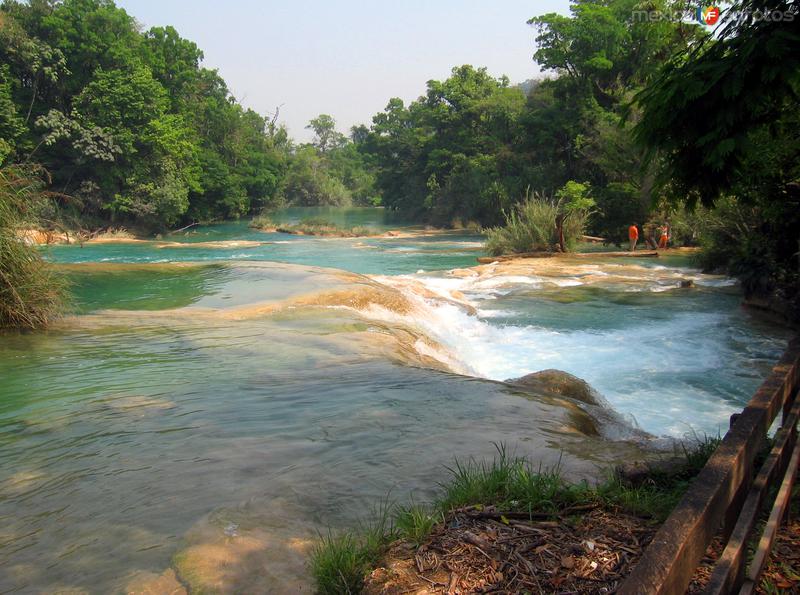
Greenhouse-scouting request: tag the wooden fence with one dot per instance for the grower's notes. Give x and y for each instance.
(727, 497)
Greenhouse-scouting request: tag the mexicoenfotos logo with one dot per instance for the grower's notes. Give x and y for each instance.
(711, 15)
(708, 15)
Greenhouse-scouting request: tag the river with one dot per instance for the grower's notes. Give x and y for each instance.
(217, 398)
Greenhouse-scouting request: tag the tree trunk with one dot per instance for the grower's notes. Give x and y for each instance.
(560, 231)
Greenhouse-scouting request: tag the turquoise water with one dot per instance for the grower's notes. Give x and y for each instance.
(209, 409)
(361, 255)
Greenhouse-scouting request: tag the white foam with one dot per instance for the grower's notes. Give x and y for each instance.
(631, 365)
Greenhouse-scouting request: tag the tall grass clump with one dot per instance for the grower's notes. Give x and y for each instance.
(31, 293)
(529, 227)
(542, 224)
(415, 522)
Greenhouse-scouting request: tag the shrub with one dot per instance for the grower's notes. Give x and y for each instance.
(757, 244)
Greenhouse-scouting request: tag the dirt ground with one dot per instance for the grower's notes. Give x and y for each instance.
(586, 550)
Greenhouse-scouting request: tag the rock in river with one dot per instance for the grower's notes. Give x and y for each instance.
(560, 383)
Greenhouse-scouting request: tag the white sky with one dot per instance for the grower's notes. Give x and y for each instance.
(347, 58)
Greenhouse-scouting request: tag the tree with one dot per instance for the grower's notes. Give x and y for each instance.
(573, 203)
(606, 47)
(700, 114)
(309, 183)
(139, 131)
(448, 154)
(326, 137)
(722, 120)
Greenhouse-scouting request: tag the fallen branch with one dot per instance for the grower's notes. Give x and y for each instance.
(185, 228)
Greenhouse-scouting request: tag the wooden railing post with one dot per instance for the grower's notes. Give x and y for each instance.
(722, 491)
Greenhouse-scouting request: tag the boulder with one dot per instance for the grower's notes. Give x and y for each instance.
(596, 414)
(560, 383)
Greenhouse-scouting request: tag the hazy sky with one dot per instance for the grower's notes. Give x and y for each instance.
(347, 58)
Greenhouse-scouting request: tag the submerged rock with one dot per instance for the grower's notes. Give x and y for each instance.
(231, 560)
(148, 583)
(603, 419)
(560, 383)
(231, 565)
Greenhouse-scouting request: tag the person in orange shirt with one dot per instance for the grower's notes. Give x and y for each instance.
(662, 243)
(633, 236)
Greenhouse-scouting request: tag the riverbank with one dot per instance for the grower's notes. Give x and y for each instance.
(509, 526)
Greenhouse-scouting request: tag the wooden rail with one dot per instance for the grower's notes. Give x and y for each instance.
(727, 496)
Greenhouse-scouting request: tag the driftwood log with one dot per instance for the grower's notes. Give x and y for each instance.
(506, 257)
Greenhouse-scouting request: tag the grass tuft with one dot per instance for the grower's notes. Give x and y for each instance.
(31, 293)
(415, 522)
(510, 483)
(340, 562)
(262, 222)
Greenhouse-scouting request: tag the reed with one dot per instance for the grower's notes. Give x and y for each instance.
(31, 292)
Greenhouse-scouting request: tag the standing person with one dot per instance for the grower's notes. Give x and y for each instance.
(662, 243)
(633, 236)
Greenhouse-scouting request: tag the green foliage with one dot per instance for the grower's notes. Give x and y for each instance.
(309, 181)
(645, 500)
(444, 156)
(533, 225)
(132, 115)
(326, 137)
(469, 147)
(605, 48)
(529, 227)
(656, 497)
(745, 240)
(31, 294)
(510, 483)
(700, 114)
(330, 171)
(723, 122)
(263, 222)
(321, 227)
(339, 564)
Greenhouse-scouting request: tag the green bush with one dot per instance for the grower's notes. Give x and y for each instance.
(757, 244)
